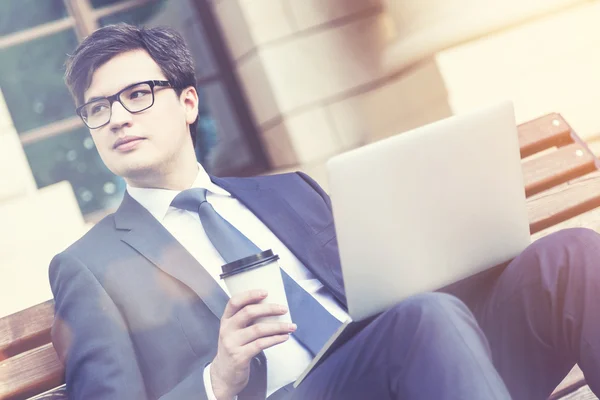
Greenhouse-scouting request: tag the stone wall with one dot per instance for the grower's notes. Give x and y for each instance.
(313, 74)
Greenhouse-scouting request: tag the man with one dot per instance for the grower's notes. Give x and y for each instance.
(141, 311)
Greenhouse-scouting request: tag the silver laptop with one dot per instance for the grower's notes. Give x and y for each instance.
(426, 208)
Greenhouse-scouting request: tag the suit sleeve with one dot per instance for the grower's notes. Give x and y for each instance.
(93, 342)
(90, 336)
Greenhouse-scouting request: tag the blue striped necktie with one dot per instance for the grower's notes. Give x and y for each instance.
(315, 323)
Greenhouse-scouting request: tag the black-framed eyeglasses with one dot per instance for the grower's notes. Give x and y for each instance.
(134, 98)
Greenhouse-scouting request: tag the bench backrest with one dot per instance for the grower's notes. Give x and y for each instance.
(562, 177)
(562, 180)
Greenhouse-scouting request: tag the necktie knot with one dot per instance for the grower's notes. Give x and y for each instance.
(190, 199)
(227, 240)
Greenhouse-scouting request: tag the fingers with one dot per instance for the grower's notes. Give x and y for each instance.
(247, 315)
(241, 355)
(257, 332)
(264, 343)
(239, 301)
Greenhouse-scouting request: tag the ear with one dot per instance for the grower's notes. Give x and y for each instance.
(189, 99)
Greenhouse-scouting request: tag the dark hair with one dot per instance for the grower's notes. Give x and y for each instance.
(165, 45)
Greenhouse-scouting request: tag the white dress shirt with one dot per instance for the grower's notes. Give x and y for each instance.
(286, 361)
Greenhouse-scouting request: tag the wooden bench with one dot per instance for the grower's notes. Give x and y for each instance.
(28, 363)
(562, 180)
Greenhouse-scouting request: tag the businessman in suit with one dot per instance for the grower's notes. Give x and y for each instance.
(141, 312)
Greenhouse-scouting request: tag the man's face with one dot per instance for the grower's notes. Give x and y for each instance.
(149, 143)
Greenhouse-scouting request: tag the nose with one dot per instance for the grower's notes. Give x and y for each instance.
(120, 117)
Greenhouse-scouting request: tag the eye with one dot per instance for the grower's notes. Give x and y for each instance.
(138, 94)
(97, 108)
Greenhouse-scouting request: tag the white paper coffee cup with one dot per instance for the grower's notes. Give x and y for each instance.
(260, 271)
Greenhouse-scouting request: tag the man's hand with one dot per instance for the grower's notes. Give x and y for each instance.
(240, 340)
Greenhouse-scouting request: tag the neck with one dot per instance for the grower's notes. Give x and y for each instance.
(176, 176)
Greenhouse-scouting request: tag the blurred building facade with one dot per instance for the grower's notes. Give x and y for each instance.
(284, 84)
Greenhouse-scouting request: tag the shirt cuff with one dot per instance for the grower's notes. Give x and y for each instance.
(208, 384)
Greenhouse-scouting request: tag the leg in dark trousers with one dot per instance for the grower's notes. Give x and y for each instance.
(542, 314)
(427, 347)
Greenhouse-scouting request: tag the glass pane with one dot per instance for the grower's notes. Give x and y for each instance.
(182, 16)
(193, 33)
(136, 16)
(31, 78)
(16, 15)
(221, 143)
(206, 134)
(72, 156)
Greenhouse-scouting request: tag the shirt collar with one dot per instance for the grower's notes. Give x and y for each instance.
(158, 201)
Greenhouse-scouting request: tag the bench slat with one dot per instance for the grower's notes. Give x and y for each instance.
(26, 330)
(563, 202)
(558, 167)
(543, 133)
(30, 373)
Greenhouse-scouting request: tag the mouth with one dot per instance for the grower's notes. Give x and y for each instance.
(127, 143)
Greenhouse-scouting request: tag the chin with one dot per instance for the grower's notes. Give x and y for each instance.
(135, 171)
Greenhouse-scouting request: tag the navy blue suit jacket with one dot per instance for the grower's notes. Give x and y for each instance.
(137, 317)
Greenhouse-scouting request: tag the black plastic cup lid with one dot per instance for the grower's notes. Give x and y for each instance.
(247, 263)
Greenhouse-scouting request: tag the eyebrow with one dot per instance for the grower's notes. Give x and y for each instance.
(95, 98)
(104, 97)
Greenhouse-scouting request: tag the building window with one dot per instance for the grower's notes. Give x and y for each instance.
(35, 37)
(31, 78)
(18, 15)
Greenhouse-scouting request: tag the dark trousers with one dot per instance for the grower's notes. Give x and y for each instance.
(512, 332)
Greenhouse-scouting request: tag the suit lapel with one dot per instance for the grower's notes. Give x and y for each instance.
(147, 236)
(287, 225)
